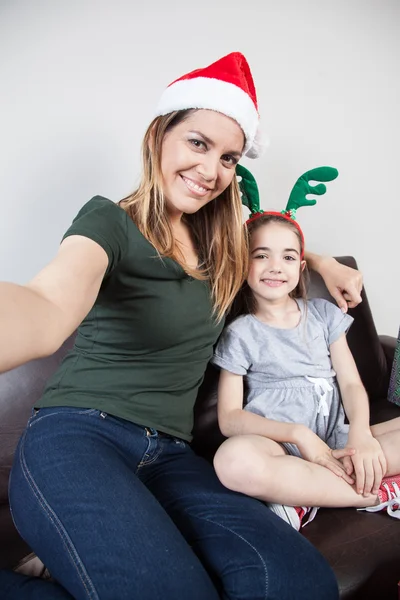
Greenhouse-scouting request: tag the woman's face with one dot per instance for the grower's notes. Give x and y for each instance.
(198, 160)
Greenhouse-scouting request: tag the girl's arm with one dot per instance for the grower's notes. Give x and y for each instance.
(354, 396)
(344, 283)
(233, 420)
(36, 318)
(368, 460)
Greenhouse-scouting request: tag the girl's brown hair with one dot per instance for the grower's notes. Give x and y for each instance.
(216, 228)
(245, 302)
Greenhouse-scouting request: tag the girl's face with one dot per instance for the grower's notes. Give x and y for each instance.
(275, 264)
(198, 160)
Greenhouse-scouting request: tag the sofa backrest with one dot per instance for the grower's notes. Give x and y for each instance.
(362, 337)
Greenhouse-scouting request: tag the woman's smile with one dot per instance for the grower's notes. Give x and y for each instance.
(195, 187)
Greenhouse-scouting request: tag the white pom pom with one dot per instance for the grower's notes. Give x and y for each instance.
(258, 146)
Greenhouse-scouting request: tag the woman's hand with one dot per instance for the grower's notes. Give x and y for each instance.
(314, 450)
(343, 283)
(369, 462)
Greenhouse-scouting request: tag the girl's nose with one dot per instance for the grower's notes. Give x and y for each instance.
(275, 265)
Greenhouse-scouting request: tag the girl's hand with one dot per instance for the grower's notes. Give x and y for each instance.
(343, 283)
(314, 450)
(368, 460)
(347, 463)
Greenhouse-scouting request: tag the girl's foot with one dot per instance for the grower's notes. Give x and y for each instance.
(293, 515)
(388, 497)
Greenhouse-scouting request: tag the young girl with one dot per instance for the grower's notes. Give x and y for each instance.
(288, 442)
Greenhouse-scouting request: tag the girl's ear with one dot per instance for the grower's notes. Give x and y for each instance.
(303, 264)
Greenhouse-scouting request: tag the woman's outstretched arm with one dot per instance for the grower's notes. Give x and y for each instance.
(36, 318)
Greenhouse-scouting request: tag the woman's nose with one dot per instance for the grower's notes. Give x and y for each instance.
(208, 168)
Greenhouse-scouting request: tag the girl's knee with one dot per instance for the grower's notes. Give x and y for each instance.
(240, 466)
(230, 458)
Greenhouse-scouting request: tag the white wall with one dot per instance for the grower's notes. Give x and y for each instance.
(79, 81)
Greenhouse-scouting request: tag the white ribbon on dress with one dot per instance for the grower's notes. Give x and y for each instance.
(321, 387)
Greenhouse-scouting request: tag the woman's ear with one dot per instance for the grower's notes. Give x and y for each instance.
(303, 265)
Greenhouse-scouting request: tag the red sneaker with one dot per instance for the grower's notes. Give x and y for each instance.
(294, 515)
(388, 496)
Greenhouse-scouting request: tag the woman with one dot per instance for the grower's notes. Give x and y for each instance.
(105, 487)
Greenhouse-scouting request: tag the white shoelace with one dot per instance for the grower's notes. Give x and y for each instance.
(393, 500)
(311, 512)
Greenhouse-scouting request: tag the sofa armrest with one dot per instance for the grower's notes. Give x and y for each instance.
(389, 346)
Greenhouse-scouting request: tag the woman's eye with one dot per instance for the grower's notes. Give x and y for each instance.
(289, 258)
(228, 158)
(261, 256)
(198, 144)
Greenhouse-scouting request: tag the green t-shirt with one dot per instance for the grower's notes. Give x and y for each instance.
(141, 352)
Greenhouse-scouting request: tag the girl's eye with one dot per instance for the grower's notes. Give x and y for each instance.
(289, 258)
(198, 144)
(261, 256)
(228, 158)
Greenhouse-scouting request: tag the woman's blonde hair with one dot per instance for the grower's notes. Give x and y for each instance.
(217, 228)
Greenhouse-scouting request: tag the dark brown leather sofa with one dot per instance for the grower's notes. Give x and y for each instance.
(363, 548)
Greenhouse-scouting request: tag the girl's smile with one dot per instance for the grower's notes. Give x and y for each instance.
(273, 282)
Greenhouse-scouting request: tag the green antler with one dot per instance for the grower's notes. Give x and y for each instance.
(302, 187)
(249, 189)
(251, 198)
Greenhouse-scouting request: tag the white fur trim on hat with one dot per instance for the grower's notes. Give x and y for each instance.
(218, 95)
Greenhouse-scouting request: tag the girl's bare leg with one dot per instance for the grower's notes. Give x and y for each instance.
(259, 467)
(386, 427)
(390, 443)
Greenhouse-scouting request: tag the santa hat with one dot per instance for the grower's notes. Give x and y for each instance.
(225, 86)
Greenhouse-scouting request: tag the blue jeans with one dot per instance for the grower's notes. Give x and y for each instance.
(120, 511)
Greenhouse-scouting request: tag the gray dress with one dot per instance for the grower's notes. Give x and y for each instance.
(288, 372)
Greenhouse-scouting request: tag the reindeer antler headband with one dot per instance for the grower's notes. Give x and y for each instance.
(302, 187)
